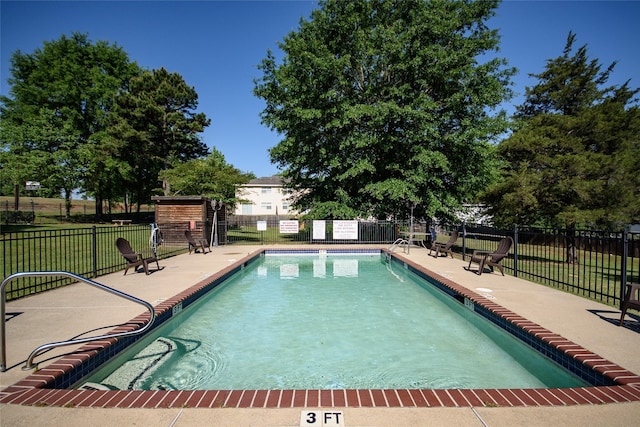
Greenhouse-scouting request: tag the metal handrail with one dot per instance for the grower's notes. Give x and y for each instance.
(398, 242)
(29, 364)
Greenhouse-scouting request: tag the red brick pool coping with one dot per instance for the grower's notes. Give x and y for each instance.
(35, 390)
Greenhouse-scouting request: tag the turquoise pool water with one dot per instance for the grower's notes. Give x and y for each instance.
(329, 322)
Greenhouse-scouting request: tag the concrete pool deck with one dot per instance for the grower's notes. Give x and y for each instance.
(74, 310)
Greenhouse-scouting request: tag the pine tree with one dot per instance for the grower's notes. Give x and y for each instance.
(574, 156)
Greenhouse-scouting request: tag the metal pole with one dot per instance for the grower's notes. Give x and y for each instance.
(410, 230)
(215, 227)
(515, 250)
(464, 240)
(216, 205)
(94, 249)
(625, 254)
(154, 238)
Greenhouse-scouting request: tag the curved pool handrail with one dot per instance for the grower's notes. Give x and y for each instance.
(29, 364)
(399, 242)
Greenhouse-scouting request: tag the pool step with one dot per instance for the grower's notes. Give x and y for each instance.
(131, 374)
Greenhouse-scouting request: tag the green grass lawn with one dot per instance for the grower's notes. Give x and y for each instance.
(85, 250)
(251, 235)
(52, 211)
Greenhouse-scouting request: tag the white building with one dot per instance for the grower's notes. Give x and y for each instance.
(265, 196)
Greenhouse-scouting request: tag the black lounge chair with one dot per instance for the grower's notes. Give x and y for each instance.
(491, 259)
(631, 299)
(444, 248)
(193, 245)
(134, 259)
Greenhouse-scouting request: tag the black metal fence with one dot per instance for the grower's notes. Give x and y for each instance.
(275, 229)
(593, 264)
(89, 252)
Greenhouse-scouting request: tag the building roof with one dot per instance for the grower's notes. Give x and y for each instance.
(179, 198)
(272, 181)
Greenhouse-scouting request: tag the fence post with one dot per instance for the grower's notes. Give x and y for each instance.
(623, 264)
(94, 250)
(515, 250)
(464, 240)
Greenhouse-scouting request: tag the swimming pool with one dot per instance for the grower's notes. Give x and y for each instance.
(51, 385)
(338, 321)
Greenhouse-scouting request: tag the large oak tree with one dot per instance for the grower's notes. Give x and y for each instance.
(386, 104)
(82, 117)
(59, 97)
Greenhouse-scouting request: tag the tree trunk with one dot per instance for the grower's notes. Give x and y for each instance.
(126, 202)
(572, 251)
(67, 203)
(98, 205)
(16, 197)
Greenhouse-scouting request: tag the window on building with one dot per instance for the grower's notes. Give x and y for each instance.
(285, 206)
(266, 190)
(266, 206)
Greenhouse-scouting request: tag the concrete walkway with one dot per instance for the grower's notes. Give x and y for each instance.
(81, 310)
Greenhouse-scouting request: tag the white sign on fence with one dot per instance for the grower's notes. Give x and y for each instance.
(262, 225)
(345, 230)
(319, 229)
(288, 226)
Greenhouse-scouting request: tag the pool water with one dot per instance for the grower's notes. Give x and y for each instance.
(329, 322)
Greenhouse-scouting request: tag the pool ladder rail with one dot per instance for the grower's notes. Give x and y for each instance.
(29, 363)
(399, 243)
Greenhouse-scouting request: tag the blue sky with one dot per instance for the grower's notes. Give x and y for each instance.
(217, 45)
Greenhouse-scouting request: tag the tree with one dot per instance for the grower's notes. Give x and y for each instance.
(22, 160)
(385, 104)
(154, 125)
(211, 177)
(574, 156)
(60, 95)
